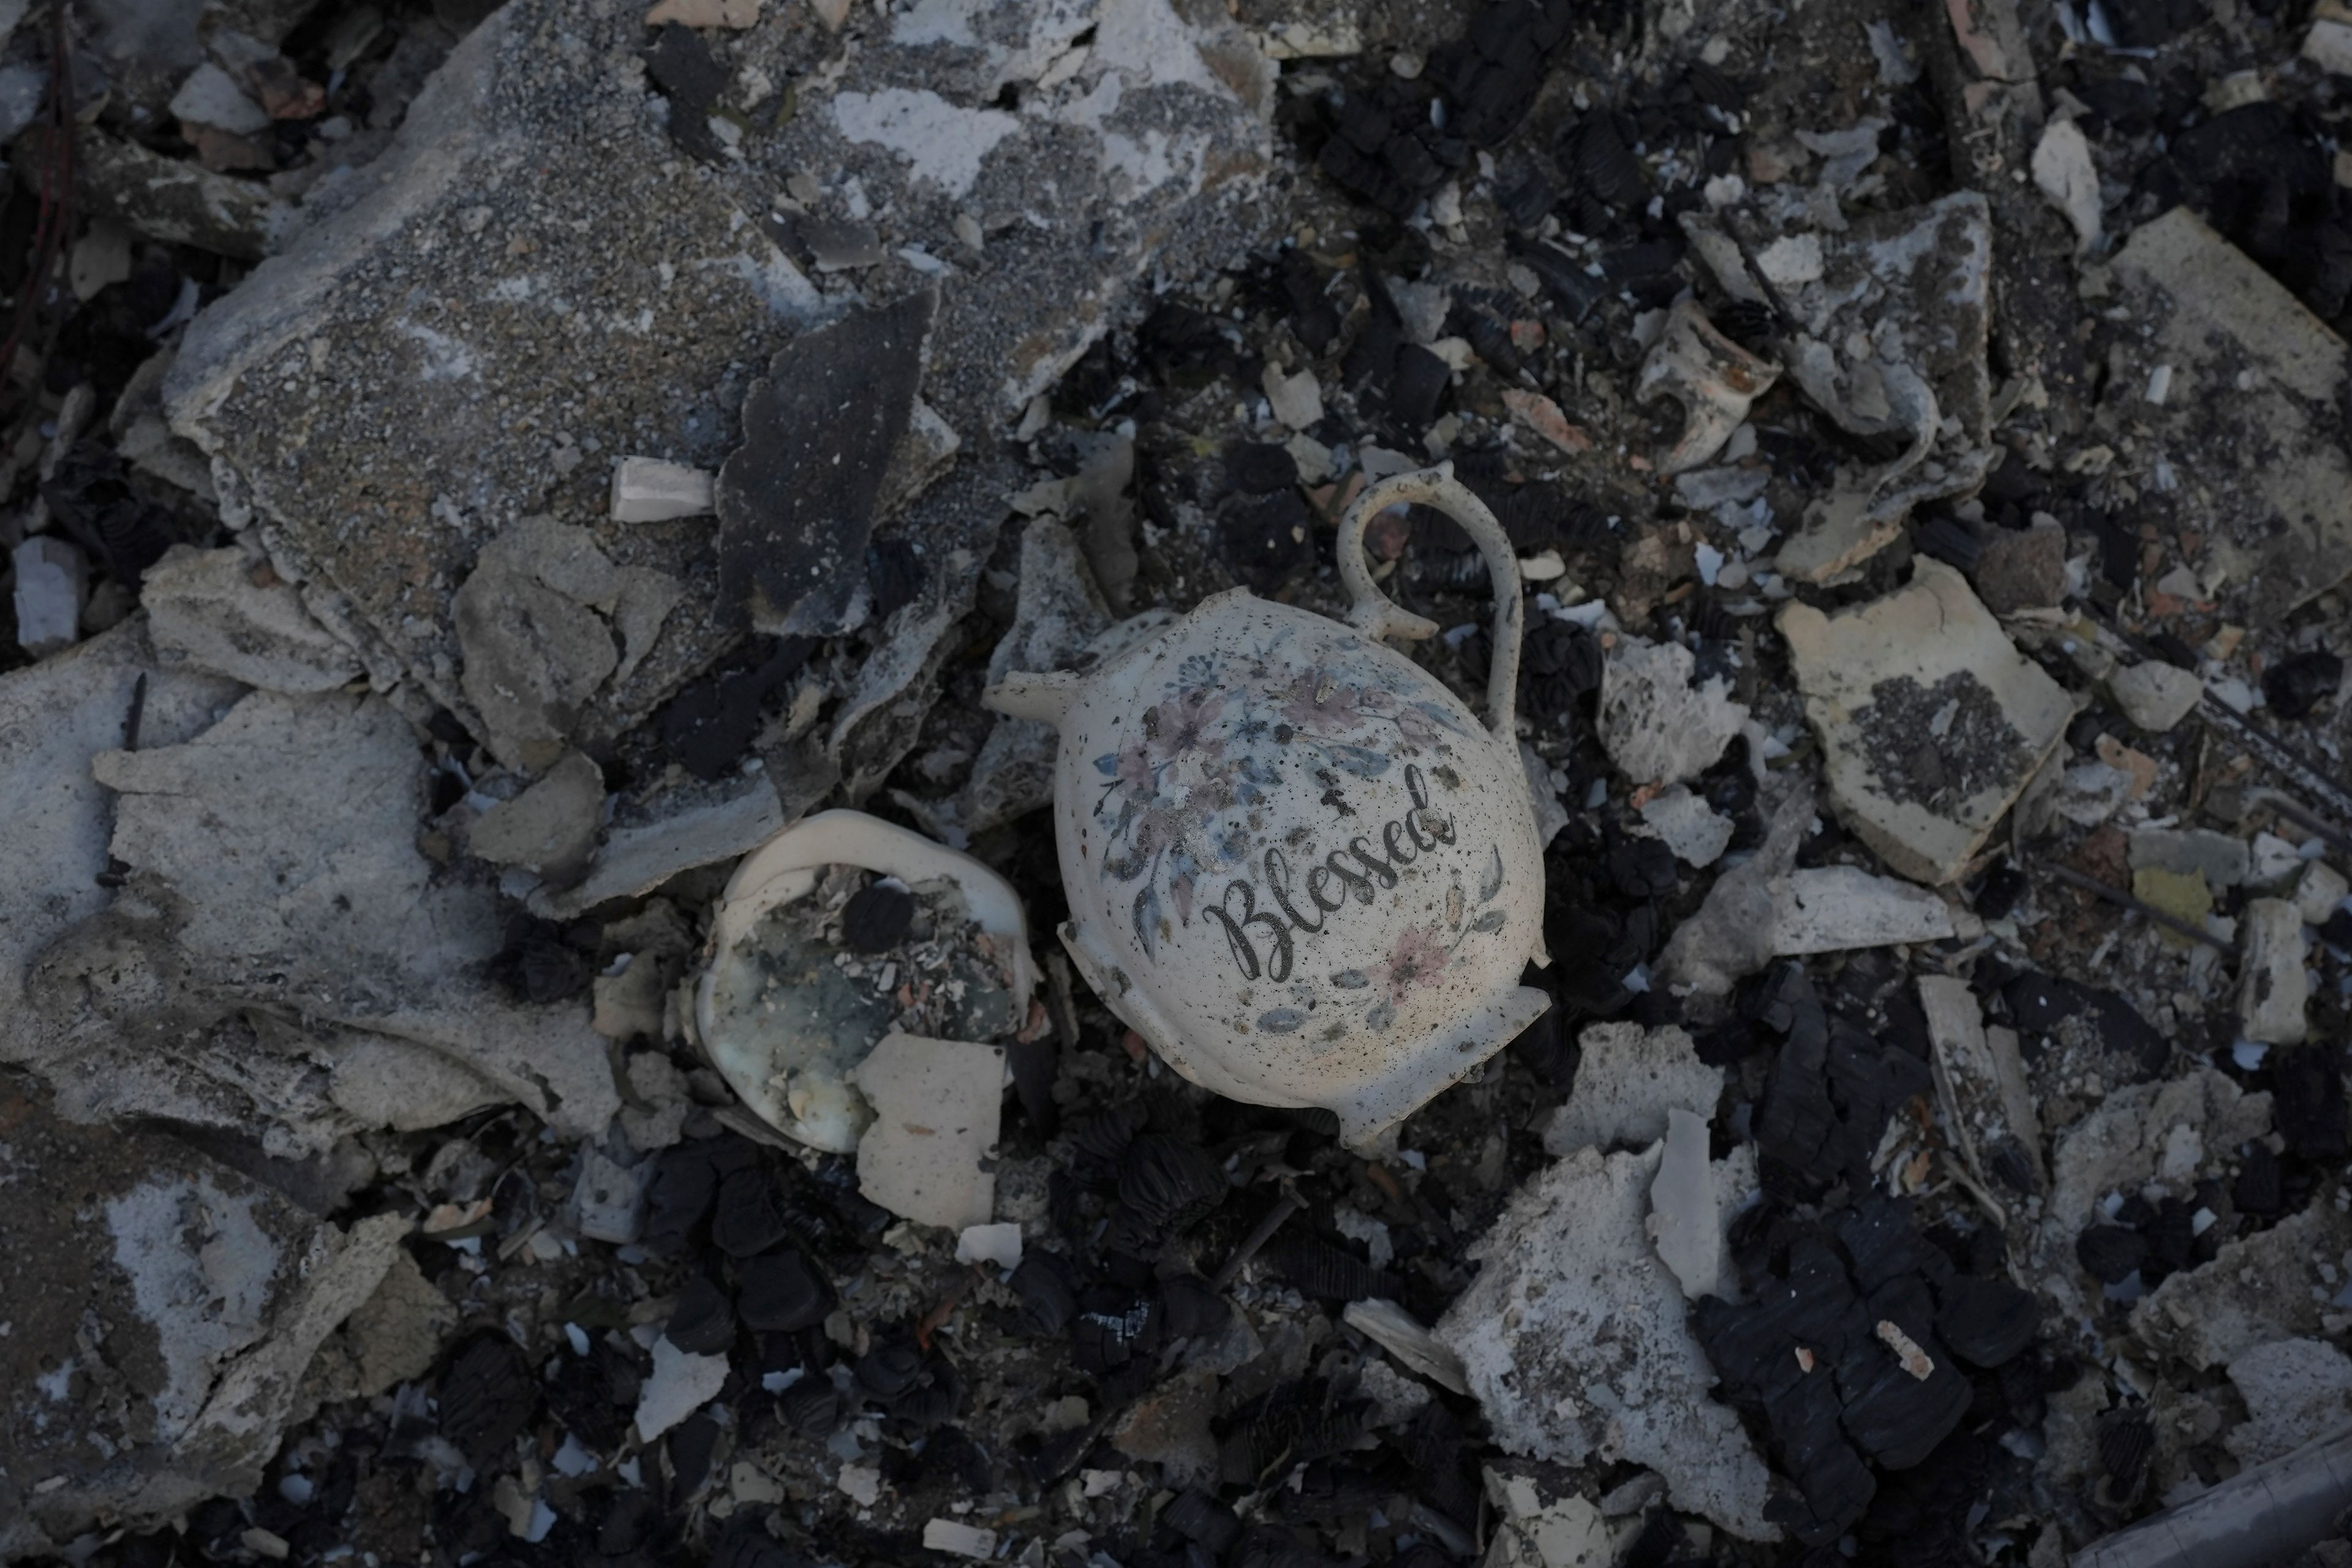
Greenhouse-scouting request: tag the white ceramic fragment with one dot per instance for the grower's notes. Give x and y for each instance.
(1297, 866)
(2063, 170)
(959, 1538)
(1834, 909)
(1714, 379)
(652, 489)
(1297, 399)
(796, 1079)
(680, 1385)
(1685, 1223)
(2153, 695)
(1655, 725)
(2272, 989)
(1399, 1334)
(998, 1244)
(2319, 893)
(1694, 831)
(1980, 1079)
(935, 1105)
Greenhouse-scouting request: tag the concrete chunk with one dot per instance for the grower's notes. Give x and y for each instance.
(1835, 908)
(1627, 1079)
(220, 610)
(52, 581)
(2273, 988)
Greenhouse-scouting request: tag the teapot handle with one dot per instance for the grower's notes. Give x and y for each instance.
(1375, 615)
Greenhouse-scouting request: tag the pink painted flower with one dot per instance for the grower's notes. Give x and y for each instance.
(1319, 704)
(1179, 727)
(1418, 957)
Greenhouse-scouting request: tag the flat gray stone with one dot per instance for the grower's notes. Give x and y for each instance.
(162, 1309)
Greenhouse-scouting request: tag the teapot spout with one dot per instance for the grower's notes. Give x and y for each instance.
(1046, 698)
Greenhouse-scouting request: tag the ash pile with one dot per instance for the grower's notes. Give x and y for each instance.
(532, 1026)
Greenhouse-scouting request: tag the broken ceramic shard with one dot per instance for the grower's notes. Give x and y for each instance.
(788, 1005)
(2273, 987)
(926, 1155)
(1714, 379)
(1397, 1332)
(1297, 866)
(1835, 908)
(1931, 721)
(653, 490)
(1657, 727)
(1980, 1079)
(796, 503)
(1576, 1341)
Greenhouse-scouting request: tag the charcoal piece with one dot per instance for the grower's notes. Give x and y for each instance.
(1417, 385)
(691, 1445)
(1648, 260)
(708, 726)
(2336, 930)
(2127, 1442)
(1292, 1425)
(877, 918)
(1526, 204)
(486, 1395)
(1260, 468)
(629, 1521)
(1110, 1325)
(1596, 153)
(681, 65)
(1882, 1243)
(2150, 24)
(2257, 1190)
(1367, 176)
(1326, 1272)
(795, 501)
(1948, 539)
(1169, 1183)
(779, 1292)
(1274, 1546)
(1642, 867)
(584, 1397)
(1895, 1417)
(91, 499)
(1362, 124)
(2110, 1254)
(1197, 1516)
(2000, 890)
(1986, 1322)
(811, 1408)
(1313, 318)
(1266, 540)
(1184, 348)
(1189, 1309)
(1048, 1299)
(1437, 1459)
(1100, 1142)
(2294, 687)
(1490, 340)
(890, 1369)
(2171, 1240)
(703, 1322)
(538, 966)
(745, 1543)
(932, 1399)
(2307, 1086)
(1411, 162)
(1372, 358)
(1564, 652)
(751, 1215)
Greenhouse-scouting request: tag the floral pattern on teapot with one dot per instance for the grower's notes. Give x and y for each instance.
(1181, 804)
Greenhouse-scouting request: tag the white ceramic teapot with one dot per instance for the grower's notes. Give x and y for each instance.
(1296, 864)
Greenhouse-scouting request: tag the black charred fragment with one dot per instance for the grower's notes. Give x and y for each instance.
(703, 1322)
(1170, 1184)
(1326, 1272)
(2308, 1086)
(2294, 687)
(750, 1214)
(877, 918)
(1831, 1090)
(1047, 1293)
(779, 1292)
(486, 1394)
(708, 725)
(812, 1407)
(1198, 1516)
(681, 65)
(795, 502)
(2110, 1254)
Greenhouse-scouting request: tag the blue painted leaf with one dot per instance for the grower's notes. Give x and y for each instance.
(1493, 883)
(1146, 920)
(1108, 765)
(1351, 979)
(1491, 921)
(1281, 1020)
(1363, 763)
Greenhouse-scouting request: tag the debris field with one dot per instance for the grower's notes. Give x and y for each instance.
(695, 704)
